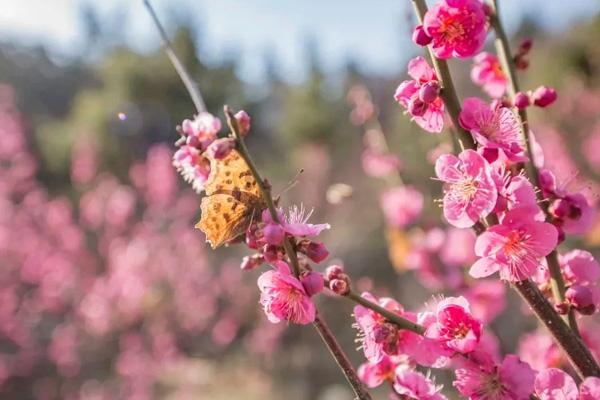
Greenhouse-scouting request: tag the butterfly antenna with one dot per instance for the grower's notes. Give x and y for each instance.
(292, 183)
(187, 80)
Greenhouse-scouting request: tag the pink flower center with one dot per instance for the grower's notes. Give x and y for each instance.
(465, 189)
(451, 29)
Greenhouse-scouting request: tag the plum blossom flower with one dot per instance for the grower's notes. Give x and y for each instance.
(201, 131)
(494, 127)
(457, 28)
(484, 380)
(455, 325)
(515, 191)
(580, 267)
(193, 166)
(296, 223)
(401, 205)
(374, 374)
(487, 73)
(555, 384)
(379, 337)
(283, 297)
(429, 116)
(412, 384)
(470, 192)
(514, 247)
(377, 164)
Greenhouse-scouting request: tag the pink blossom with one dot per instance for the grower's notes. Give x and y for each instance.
(455, 326)
(513, 379)
(379, 165)
(515, 192)
(493, 127)
(579, 216)
(458, 28)
(378, 336)
(296, 223)
(590, 389)
(487, 299)
(555, 384)
(487, 73)
(193, 166)
(514, 247)
(469, 193)
(539, 350)
(374, 374)
(243, 120)
(284, 298)
(579, 266)
(402, 205)
(430, 116)
(414, 385)
(458, 247)
(202, 130)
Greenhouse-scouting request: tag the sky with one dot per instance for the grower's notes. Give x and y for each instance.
(374, 33)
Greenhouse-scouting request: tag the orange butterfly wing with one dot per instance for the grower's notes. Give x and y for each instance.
(232, 200)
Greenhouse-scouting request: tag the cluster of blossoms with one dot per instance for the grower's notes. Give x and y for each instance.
(485, 190)
(199, 140)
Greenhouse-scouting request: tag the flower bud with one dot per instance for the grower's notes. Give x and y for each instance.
(525, 45)
(220, 148)
(333, 271)
(429, 92)
(544, 96)
(316, 251)
(312, 282)
(251, 262)
(559, 208)
(581, 298)
(243, 120)
(521, 62)
(254, 237)
(272, 253)
(339, 286)
(420, 37)
(273, 233)
(521, 100)
(416, 107)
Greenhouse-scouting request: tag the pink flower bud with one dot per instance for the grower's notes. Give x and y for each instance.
(581, 298)
(220, 148)
(243, 120)
(253, 237)
(333, 271)
(521, 100)
(420, 37)
(312, 282)
(316, 251)
(251, 262)
(429, 92)
(521, 62)
(544, 96)
(339, 286)
(273, 233)
(272, 253)
(417, 108)
(559, 208)
(525, 45)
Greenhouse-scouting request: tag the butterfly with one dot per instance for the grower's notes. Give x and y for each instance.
(232, 200)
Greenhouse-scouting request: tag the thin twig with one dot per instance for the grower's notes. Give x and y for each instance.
(189, 83)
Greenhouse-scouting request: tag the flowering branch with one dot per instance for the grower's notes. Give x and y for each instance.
(508, 65)
(320, 325)
(567, 339)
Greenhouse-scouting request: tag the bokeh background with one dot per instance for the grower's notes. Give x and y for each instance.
(107, 291)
